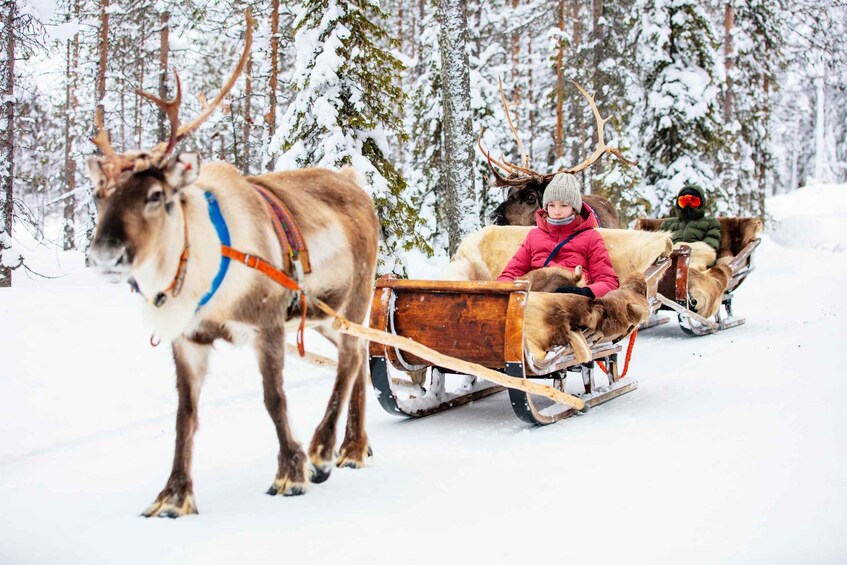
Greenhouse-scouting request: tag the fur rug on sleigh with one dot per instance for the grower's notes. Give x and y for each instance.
(565, 319)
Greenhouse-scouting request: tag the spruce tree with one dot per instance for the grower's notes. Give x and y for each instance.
(347, 86)
(681, 126)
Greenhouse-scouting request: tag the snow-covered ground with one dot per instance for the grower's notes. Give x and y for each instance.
(732, 450)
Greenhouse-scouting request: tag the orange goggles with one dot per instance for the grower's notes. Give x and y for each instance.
(689, 200)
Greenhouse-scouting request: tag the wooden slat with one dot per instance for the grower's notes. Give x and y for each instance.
(467, 326)
(463, 287)
(514, 330)
(379, 319)
(681, 281)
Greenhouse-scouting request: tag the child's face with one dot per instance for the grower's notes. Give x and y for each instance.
(558, 210)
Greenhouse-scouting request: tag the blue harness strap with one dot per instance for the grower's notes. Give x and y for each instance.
(223, 234)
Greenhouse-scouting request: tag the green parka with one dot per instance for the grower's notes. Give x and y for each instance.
(692, 224)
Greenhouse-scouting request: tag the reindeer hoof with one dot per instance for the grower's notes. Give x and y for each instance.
(287, 487)
(350, 458)
(170, 508)
(320, 474)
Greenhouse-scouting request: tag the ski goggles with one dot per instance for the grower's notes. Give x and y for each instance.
(689, 200)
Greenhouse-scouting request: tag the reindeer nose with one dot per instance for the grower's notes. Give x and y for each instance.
(109, 256)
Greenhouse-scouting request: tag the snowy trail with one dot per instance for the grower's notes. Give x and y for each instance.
(730, 451)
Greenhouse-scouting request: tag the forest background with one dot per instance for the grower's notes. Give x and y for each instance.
(747, 98)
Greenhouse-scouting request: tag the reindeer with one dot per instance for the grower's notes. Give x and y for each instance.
(169, 227)
(525, 187)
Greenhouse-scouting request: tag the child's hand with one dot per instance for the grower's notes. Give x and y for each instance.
(584, 291)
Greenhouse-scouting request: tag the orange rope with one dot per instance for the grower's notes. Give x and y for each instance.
(628, 355)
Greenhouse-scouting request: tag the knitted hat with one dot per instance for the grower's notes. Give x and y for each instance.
(565, 188)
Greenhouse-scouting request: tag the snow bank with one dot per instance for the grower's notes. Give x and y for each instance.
(811, 217)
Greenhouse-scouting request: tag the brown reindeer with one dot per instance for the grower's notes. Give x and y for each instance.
(158, 228)
(525, 187)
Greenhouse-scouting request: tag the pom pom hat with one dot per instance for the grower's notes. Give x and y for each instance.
(565, 188)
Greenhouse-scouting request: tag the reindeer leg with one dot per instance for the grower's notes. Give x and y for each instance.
(355, 448)
(350, 359)
(293, 467)
(177, 498)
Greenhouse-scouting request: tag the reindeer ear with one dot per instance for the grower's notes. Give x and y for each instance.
(182, 170)
(577, 271)
(95, 171)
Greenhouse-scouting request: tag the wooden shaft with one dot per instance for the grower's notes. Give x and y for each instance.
(685, 312)
(346, 326)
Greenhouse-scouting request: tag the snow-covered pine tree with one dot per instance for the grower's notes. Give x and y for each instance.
(487, 59)
(614, 76)
(424, 161)
(347, 87)
(754, 29)
(458, 163)
(681, 127)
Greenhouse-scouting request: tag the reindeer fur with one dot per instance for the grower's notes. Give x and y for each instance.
(487, 251)
(706, 288)
(548, 279)
(137, 239)
(557, 319)
(702, 255)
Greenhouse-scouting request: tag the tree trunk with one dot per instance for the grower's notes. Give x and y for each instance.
(577, 116)
(7, 138)
(515, 50)
(68, 231)
(460, 202)
(164, 46)
(560, 86)
(270, 117)
(103, 62)
(597, 37)
(729, 58)
(248, 113)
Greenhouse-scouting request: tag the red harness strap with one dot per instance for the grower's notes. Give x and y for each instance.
(277, 276)
(628, 356)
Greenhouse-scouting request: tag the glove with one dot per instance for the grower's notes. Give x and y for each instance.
(584, 291)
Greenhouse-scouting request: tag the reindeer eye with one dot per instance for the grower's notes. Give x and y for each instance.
(531, 199)
(155, 196)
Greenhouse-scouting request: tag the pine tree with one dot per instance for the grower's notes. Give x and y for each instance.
(754, 30)
(681, 127)
(347, 86)
(425, 159)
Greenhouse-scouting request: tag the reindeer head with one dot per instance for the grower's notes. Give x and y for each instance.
(140, 227)
(524, 187)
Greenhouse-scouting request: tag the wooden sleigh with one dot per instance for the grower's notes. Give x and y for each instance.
(739, 240)
(482, 322)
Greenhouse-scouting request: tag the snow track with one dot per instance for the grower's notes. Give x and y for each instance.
(732, 449)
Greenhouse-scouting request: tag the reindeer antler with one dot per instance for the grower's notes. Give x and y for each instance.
(524, 158)
(102, 140)
(180, 132)
(601, 144)
(170, 107)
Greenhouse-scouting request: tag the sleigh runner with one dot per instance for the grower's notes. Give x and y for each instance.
(495, 325)
(682, 284)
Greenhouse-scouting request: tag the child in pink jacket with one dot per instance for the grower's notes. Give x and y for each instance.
(565, 236)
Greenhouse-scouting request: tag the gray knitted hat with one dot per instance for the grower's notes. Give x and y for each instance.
(565, 188)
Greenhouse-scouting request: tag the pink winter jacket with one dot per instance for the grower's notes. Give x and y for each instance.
(586, 249)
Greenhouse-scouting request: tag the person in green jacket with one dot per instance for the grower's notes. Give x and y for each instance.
(691, 223)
